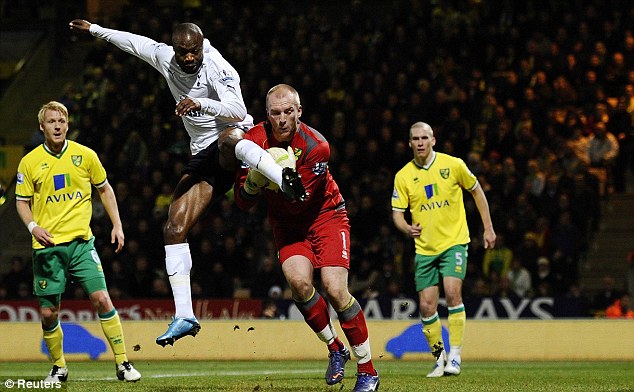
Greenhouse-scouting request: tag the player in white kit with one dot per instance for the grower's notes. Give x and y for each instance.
(209, 100)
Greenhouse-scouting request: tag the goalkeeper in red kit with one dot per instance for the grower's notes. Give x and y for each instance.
(311, 235)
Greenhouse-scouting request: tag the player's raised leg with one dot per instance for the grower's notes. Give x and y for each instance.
(191, 198)
(233, 146)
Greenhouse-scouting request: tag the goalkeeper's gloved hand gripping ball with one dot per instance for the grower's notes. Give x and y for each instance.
(284, 158)
(256, 180)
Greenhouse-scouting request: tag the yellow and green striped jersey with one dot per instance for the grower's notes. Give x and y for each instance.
(433, 196)
(59, 188)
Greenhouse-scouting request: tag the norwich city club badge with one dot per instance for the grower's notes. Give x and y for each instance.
(42, 284)
(444, 173)
(76, 160)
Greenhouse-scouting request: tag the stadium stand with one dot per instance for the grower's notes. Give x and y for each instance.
(515, 89)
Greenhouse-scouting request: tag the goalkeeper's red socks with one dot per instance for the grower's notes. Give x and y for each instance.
(367, 367)
(336, 345)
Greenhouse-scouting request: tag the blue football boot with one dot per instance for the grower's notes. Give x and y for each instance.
(366, 382)
(336, 365)
(178, 328)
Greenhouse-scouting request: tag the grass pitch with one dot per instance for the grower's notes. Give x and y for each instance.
(400, 376)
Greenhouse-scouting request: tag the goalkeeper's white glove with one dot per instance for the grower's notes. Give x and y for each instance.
(254, 182)
(284, 158)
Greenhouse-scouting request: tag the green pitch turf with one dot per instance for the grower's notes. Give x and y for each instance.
(405, 376)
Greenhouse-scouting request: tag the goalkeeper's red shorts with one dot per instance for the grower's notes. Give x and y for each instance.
(325, 244)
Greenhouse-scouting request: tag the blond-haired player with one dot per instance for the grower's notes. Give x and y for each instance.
(54, 200)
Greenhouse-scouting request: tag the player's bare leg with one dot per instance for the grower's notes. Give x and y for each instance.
(191, 198)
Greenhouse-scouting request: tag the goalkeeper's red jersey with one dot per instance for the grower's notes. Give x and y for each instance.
(312, 152)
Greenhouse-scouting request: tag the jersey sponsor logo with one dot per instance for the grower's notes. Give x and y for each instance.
(20, 178)
(394, 194)
(434, 205)
(431, 190)
(76, 159)
(64, 197)
(444, 173)
(320, 168)
(61, 181)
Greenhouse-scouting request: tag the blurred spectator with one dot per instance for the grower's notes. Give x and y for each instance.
(575, 292)
(544, 279)
(504, 290)
(529, 253)
(270, 310)
(269, 275)
(621, 308)
(363, 280)
(142, 279)
(520, 278)
(603, 149)
(497, 259)
(159, 288)
(480, 289)
(25, 291)
(607, 295)
(566, 239)
(137, 149)
(19, 274)
(117, 279)
(629, 274)
(218, 284)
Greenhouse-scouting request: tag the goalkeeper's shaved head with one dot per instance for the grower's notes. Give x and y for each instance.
(421, 125)
(280, 90)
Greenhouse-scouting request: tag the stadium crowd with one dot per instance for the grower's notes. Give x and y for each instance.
(536, 97)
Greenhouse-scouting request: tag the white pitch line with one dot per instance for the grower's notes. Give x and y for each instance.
(212, 373)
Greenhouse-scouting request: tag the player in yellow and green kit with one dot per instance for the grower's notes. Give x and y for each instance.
(53, 199)
(430, 187)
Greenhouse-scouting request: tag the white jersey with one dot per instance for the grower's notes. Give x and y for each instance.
(216, 85)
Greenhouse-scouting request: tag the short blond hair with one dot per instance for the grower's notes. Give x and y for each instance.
(284, 87)
(423, 125)
(55, 106)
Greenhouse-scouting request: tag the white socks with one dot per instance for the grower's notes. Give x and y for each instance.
(454, 352)
(178, 263)
(258, 158)
(362, 352)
